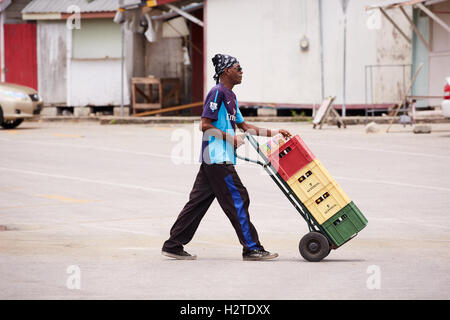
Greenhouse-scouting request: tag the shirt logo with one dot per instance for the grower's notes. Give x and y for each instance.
(213, 106)
(232, 117)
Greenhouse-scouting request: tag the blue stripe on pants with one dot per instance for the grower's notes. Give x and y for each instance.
(239, 205)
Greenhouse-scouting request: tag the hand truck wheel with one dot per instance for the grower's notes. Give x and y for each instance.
(314, 246)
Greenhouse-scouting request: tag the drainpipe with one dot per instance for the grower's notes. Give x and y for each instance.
(344, 8)
(322, 85)
(122, 72)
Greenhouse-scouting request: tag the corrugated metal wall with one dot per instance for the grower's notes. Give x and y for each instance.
(46, 6)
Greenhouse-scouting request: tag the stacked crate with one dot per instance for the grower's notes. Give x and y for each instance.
(315, 187)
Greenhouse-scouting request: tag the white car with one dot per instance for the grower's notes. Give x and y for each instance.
(17, 103)
(446, 102)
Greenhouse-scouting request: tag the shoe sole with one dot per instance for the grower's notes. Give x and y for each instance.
(273, 256)
(178, 257)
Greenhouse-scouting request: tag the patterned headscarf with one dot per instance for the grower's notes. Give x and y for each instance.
(221, 62)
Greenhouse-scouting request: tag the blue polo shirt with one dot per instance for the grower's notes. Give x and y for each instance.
(222, 107)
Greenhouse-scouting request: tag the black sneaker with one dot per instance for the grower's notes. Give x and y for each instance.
(183, 255)
(258, 255)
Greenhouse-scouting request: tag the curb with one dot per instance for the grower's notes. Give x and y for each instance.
(113, 120)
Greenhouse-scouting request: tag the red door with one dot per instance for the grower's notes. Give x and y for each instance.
(20, 54)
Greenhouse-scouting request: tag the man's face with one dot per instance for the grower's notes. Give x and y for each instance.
(235, 73)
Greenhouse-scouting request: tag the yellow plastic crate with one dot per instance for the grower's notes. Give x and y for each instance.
(309, 180)
(273, 144)
(327, 202)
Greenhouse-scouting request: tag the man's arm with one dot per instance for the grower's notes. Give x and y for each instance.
(244, 126)
(207, 125)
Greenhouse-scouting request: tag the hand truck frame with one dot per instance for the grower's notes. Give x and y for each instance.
(315, 245)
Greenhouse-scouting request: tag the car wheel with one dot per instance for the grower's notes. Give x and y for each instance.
(11, 124)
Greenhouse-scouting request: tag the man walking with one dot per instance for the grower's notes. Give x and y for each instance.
(217, 177)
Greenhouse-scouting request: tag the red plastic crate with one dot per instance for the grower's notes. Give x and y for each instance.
(291, 157)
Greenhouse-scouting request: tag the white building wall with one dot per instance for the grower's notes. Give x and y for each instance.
(360, 49)
(390, 84)
(265, 36)
(96, 83)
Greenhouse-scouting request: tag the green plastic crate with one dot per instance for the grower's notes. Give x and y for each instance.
(346, 223)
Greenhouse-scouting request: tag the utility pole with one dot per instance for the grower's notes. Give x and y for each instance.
(322, 78)
(344, 9)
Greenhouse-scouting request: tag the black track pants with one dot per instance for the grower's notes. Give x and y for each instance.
(219, 181)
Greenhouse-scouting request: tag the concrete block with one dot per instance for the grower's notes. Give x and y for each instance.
(126, 111)
(372, 127)
(445, 108)
(422, 128)
(49, 112)
(266, 112)
(67, 113)
(404, 119)
(81, 111)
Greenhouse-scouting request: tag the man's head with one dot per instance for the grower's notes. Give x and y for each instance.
(227, 69)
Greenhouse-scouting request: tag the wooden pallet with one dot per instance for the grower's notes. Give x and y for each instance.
(170, 109)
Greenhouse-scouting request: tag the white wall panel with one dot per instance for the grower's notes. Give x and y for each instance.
(96, 82)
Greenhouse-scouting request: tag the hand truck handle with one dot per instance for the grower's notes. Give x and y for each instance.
(255, 144)
(252, 140)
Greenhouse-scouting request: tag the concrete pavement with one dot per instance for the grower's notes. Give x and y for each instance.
(87, 207)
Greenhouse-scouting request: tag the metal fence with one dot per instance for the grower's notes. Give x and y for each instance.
(370, 104)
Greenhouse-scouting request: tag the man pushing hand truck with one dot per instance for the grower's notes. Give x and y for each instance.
(217, 177)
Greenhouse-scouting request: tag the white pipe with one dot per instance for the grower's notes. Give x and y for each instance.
(185, 14)
(122, 72)
(433, 16)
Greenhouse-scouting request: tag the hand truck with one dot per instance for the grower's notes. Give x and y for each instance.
(315, 245)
